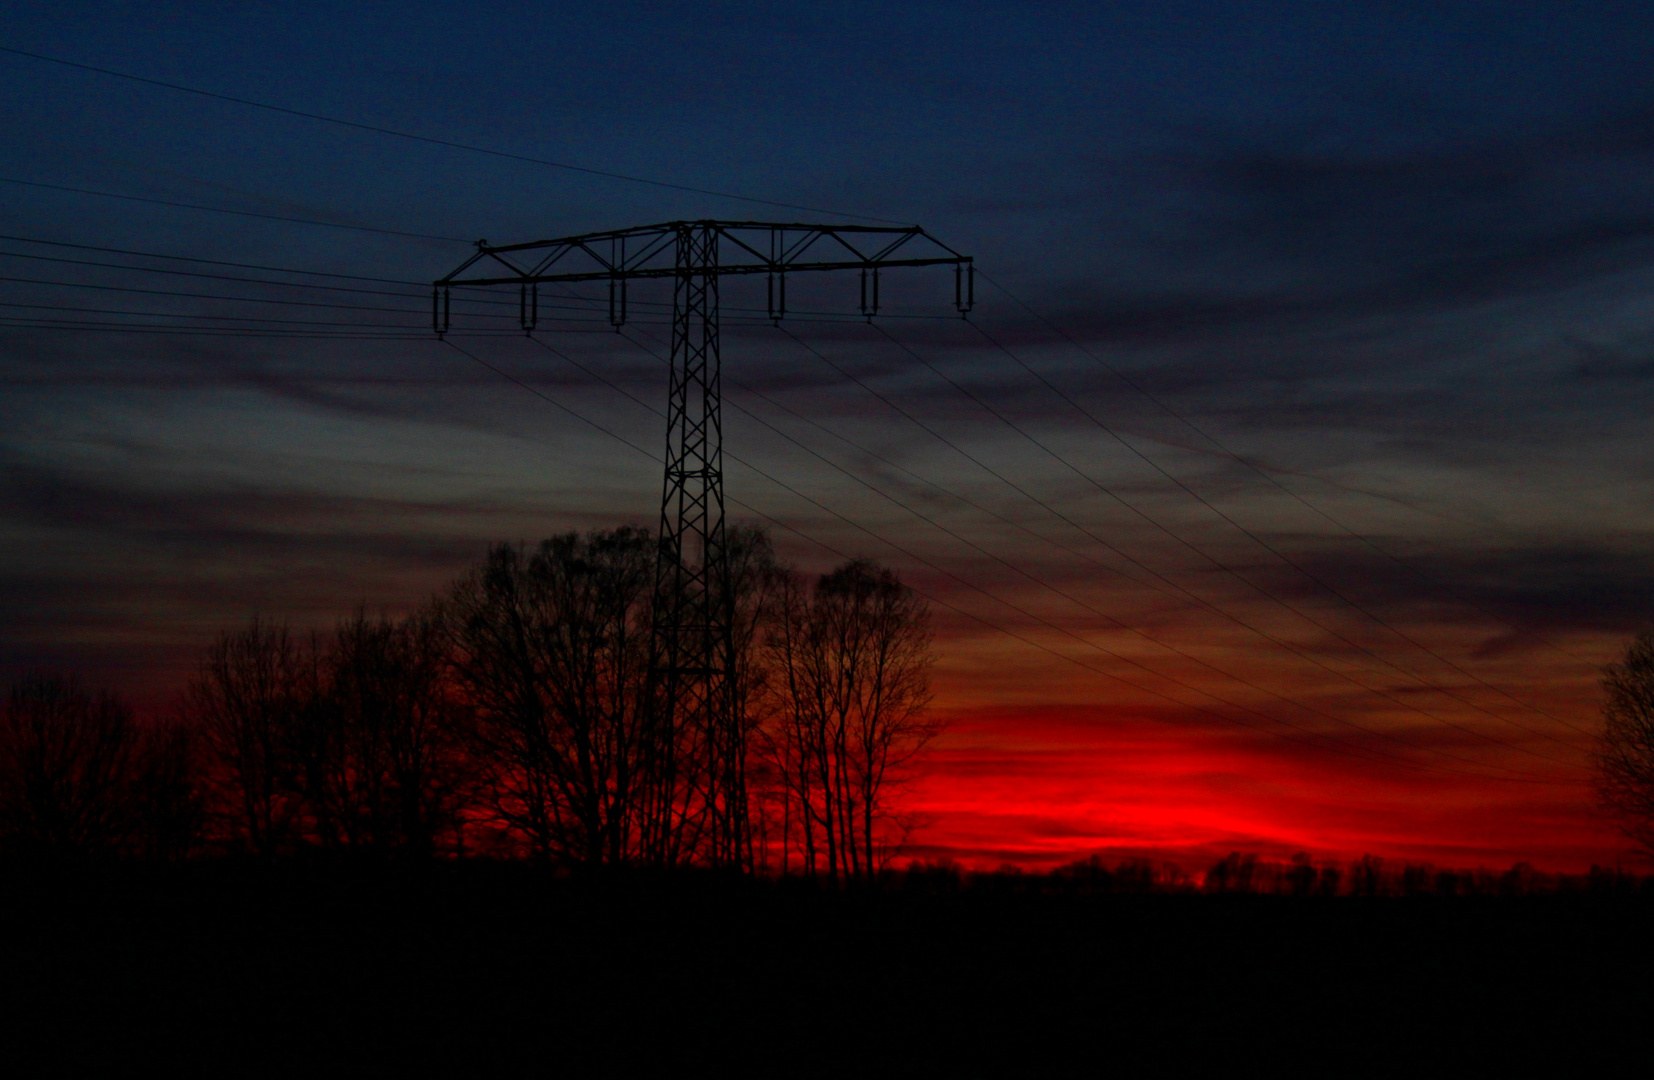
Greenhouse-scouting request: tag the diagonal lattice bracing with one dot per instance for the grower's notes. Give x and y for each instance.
(695, 800)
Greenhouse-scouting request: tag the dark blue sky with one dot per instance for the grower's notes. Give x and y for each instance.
(1396, 257)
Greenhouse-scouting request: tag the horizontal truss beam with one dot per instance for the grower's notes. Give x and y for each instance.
(744, 247)
(668, 271)
(657, 252)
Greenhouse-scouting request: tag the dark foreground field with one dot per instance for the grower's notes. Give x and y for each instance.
(221, 969)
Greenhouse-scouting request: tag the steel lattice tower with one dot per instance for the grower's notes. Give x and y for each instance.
(693, 645)
(693, 652)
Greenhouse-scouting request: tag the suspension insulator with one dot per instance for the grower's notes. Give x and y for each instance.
(777, 297)
(528, 305)
(617, 302)
(439, 309)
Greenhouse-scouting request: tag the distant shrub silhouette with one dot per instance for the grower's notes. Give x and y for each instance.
(1094, 875)
(1417, 879)
(1234, 874)
(1087, 875)
(1301, 879)
(1141, 876)
(1604, 881)
(1303, 876)
(940, 875)
(1367, 876)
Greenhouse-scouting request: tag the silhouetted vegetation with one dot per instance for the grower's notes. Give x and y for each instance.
(1625, 752)
(520, 713)
(79, 776)
(480, 966)
(851, 659)
(1303, 876)
(434, 843)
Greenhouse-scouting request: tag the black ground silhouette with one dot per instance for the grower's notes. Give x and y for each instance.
(223, 968)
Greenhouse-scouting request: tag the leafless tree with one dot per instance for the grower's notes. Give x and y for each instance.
(852, 658)
(389, 753)
(552, 648)
(737, 804)
(252, 697)
(1624, 757)
(168, 792)
(66, 757)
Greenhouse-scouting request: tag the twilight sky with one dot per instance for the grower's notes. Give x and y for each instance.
(1298, 518)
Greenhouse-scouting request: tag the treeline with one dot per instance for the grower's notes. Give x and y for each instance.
(522, 712)
(1246, 874)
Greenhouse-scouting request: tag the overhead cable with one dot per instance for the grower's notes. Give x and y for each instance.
(450, 144)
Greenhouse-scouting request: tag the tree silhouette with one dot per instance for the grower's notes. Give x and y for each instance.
(251, 697)
(525, 706)
(1235, 873)
(168, 793)
(552, 648)
(1300, 879)
(66, 764)
(1367, 876)
(739, 796)
(392, 765)
(1624, 757)
(852, 657)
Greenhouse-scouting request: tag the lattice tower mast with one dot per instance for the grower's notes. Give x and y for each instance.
(693, 657)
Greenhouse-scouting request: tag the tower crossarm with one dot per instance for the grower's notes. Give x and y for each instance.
(699, 806)
(745, 247)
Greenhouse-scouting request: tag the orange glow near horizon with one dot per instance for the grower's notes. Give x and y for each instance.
(1037, 787)
(1036, 767)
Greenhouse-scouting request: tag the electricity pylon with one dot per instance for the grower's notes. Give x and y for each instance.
(693, 650)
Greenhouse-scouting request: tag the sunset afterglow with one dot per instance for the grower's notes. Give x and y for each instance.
(1284, 491)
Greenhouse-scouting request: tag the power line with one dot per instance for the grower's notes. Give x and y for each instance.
(1017, 570)
(422, 297)
(378, 130)
(230, 298)
(60, 260)
(1288, 560)
(1181, 592)
(213, 318)
(798, 315)
(89, 326)
(177, 87)
(302, 221)
(226, 210)
(1221, 567)
(424, 285)
(1174, 591)
(956, 536)
(214, 296)
(763, 473)
(979, 619)
(239, 298)
(421, 312)
(1267, 475)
